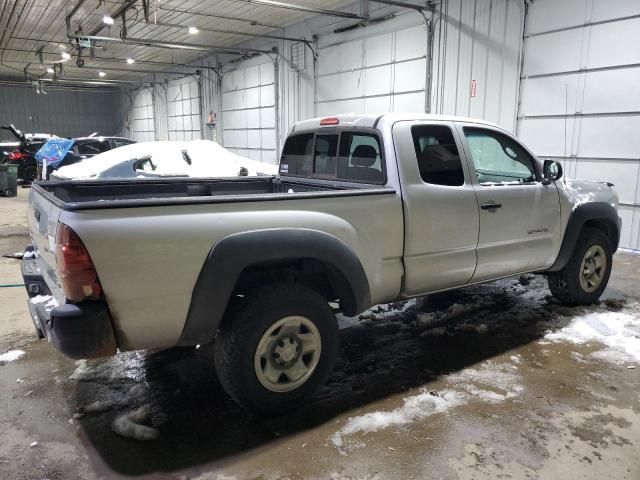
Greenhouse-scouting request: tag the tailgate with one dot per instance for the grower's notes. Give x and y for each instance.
(42, 215)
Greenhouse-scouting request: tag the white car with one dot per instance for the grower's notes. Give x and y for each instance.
(196, 158)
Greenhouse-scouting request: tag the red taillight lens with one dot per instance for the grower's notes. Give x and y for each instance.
(15, 156)
(329, 121)
(77, 274)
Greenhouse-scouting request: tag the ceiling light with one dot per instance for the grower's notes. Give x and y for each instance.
(65, 55)
(107, 20)
(130, 61)
(193, 30)
(102, 74)
(50, 70)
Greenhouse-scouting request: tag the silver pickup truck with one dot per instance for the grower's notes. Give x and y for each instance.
(365, 210)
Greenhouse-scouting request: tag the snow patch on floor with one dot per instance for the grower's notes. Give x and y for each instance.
(129, 424)
(490, 382)
(414, 408)
(11, 355)
(618, 332)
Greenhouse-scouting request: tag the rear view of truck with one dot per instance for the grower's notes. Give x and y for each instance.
(65, 296)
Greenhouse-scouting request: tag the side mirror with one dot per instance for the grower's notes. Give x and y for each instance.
(551, 171)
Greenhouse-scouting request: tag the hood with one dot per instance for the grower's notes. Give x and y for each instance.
(16, 133)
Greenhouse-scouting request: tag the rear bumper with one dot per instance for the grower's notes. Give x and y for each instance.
(79, 331)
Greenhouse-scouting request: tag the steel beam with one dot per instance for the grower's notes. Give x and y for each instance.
(303, 8)
(172, 45)
(233, 32)
(395, 3)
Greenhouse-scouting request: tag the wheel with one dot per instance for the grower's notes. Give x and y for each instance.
(585, 276)
(30, 174)
(9, 193)
(276, 348)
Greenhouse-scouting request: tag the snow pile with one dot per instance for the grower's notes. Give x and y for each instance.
(414, 408)
(11, 355)
(489, 382)
(619, 332)
(203, 158)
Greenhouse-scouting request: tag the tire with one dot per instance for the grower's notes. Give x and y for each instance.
(252, 326)
(30, 175)
(567, 286)
(9, 193)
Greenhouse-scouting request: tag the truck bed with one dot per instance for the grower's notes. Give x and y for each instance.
(101, 194)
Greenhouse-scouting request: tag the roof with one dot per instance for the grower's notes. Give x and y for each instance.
(372, 120)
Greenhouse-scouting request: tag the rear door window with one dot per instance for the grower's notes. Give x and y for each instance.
(438, 157)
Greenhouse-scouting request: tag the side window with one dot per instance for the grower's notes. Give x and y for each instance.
(297, 155)
(325, 153)
(499, 159)
(360, 159)
(93, 148)
(438, 158)
(144, 164)
(121, 143)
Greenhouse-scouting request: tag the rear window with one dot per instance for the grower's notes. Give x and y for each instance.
(345, 156)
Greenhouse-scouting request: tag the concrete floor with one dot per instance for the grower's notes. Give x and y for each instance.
(479, 383)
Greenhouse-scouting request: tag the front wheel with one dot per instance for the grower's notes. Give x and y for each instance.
(276, 348)
(584, 278)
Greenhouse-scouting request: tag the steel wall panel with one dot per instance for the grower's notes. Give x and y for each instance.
(364, 72)
(553, 14)
(602, 115)
(248, 109)
(614, 44)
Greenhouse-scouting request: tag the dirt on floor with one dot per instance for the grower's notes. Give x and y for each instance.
(492, 381)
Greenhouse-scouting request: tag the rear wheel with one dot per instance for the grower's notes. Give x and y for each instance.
(584, 278)
(276, 348)
(9, 193)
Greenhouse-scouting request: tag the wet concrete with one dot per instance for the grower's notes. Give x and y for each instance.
(525, 407)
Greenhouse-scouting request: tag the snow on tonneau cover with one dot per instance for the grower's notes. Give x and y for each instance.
(43, 215)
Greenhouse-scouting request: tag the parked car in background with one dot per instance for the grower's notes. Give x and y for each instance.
(19, 151)
(195, 158)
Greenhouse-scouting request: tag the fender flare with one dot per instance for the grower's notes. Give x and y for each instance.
(231, 255)
(580, 215)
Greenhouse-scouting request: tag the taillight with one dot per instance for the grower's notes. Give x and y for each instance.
(77, 274)
(16, 156)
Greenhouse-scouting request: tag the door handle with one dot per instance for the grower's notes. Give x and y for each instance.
(490, 205)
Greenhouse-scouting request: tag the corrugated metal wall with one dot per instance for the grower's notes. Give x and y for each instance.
(477, 45)
(580, 96)
(64, 112)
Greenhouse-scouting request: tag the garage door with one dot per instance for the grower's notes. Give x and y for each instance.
(142, 126)
(580, 101)
(183, 108)
(377, 73)
(248, 109)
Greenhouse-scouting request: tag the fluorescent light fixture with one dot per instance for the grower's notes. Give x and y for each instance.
(107, 20)
(65, 55)
(130, 61)
(50, 70)
(193, 30)
(102, 74)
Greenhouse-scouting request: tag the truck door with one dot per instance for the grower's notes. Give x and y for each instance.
(440, 210)
(519, 215)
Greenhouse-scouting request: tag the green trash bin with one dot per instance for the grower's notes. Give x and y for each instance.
(9, 180)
